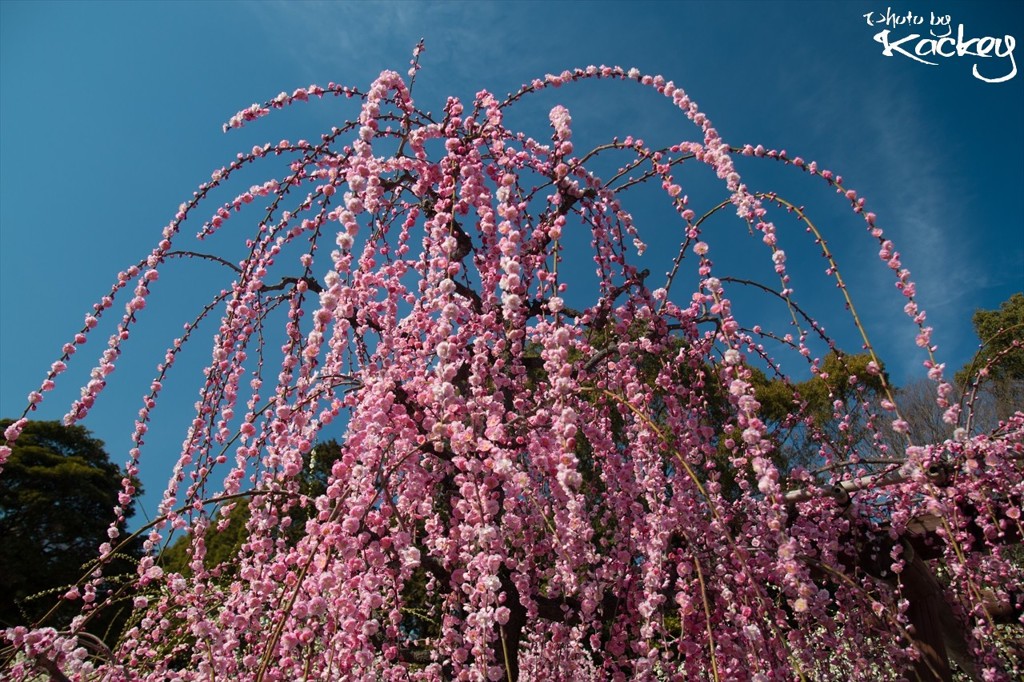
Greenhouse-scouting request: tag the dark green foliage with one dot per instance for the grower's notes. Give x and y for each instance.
(798, 440)
(57, 495)
(1000, 330)
(223, 546)
(1002, 336)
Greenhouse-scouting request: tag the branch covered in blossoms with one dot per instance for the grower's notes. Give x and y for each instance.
(541, 474)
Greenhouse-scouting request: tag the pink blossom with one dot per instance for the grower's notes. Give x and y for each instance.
(594, 468)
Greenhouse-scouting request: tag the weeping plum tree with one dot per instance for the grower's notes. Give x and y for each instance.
(534, 481)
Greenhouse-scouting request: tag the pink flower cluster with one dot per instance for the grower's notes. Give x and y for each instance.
(585, 489)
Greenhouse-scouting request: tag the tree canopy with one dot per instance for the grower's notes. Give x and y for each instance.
(543, 476)
(58, 494)
(999, 364)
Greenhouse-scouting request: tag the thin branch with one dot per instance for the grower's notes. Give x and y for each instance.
(206, 256)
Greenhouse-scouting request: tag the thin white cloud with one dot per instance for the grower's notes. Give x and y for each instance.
(926, 215)
(382, 34)
(888, 140)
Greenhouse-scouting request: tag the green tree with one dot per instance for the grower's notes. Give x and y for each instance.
(1002, 336)
(57, 496)
(222, 546)
(801, 417)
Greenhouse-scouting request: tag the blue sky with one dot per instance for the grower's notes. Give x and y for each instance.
(111, 113)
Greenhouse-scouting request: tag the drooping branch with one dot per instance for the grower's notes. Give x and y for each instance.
(593, 492)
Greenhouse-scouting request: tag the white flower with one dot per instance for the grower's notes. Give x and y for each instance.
(410, 557)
